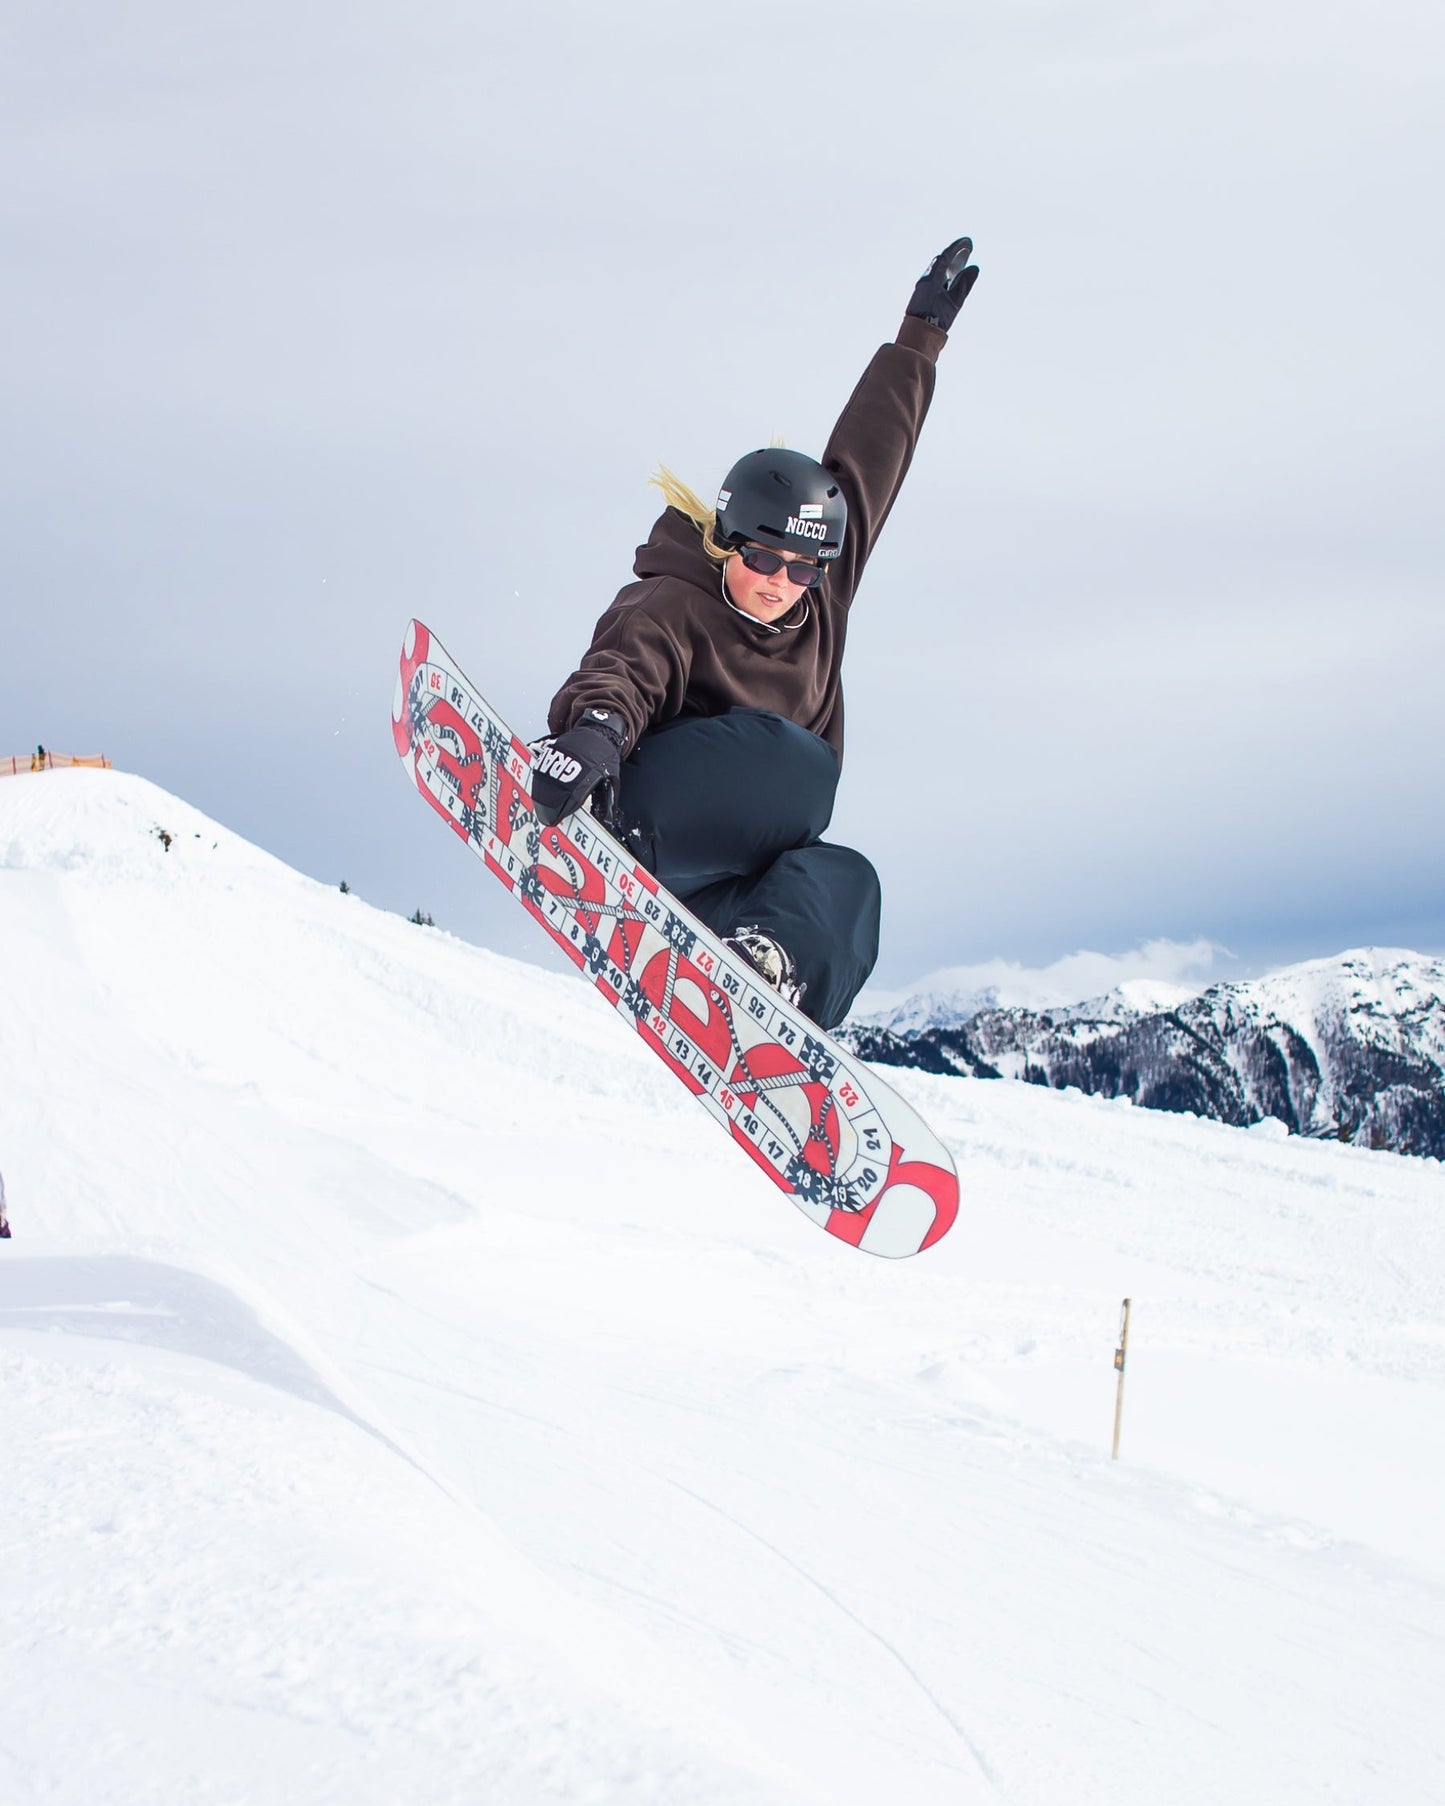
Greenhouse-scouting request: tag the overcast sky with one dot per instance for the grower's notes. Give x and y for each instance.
(318, 315)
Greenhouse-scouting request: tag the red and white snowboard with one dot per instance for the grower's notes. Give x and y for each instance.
(846, 1148)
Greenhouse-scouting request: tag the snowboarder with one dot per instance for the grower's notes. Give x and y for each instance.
(705, 721)
(4, 1220)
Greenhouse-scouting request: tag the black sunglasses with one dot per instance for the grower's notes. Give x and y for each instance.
(767, 564)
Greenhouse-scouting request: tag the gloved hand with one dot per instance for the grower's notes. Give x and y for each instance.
(943, 287)
(567, 770)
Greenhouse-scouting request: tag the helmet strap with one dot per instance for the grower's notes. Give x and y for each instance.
(770, 626)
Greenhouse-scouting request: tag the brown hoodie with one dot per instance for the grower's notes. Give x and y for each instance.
(671, 645)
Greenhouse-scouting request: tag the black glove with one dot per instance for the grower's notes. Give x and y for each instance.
(943, 287)
(567, 770)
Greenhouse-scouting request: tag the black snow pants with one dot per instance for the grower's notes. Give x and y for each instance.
(727, 810)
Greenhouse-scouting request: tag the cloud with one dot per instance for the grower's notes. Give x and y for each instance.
(1160, 972)
(336, 314)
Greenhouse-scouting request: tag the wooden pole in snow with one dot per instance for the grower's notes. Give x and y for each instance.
(1119, 1356)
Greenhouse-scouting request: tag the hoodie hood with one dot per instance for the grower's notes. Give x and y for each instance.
(674, 549)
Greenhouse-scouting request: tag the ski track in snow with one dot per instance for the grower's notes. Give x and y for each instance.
(408, 1395)
(853, 1618)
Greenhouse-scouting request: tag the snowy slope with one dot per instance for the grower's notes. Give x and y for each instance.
(408, 1396)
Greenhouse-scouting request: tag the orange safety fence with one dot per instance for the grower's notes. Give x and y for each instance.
(42, 759)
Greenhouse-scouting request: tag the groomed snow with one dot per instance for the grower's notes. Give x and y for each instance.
(408, 1396)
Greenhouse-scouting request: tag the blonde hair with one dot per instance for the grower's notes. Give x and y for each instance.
(687, 501)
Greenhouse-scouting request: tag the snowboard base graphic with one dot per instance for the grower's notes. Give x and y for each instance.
(851, 1153)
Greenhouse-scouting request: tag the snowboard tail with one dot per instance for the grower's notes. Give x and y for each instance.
(851, 1153)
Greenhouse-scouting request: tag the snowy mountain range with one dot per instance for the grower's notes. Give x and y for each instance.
(1351, 1047)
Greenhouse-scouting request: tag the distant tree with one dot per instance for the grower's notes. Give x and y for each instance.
(345, 888)
(422, 920)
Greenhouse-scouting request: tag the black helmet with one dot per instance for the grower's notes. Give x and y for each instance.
(784, 499)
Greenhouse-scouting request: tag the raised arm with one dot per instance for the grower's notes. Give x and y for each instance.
(871, 447)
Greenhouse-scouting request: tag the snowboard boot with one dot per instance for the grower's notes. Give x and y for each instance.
(774, 963)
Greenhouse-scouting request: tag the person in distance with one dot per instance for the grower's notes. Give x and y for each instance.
(705, 721)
